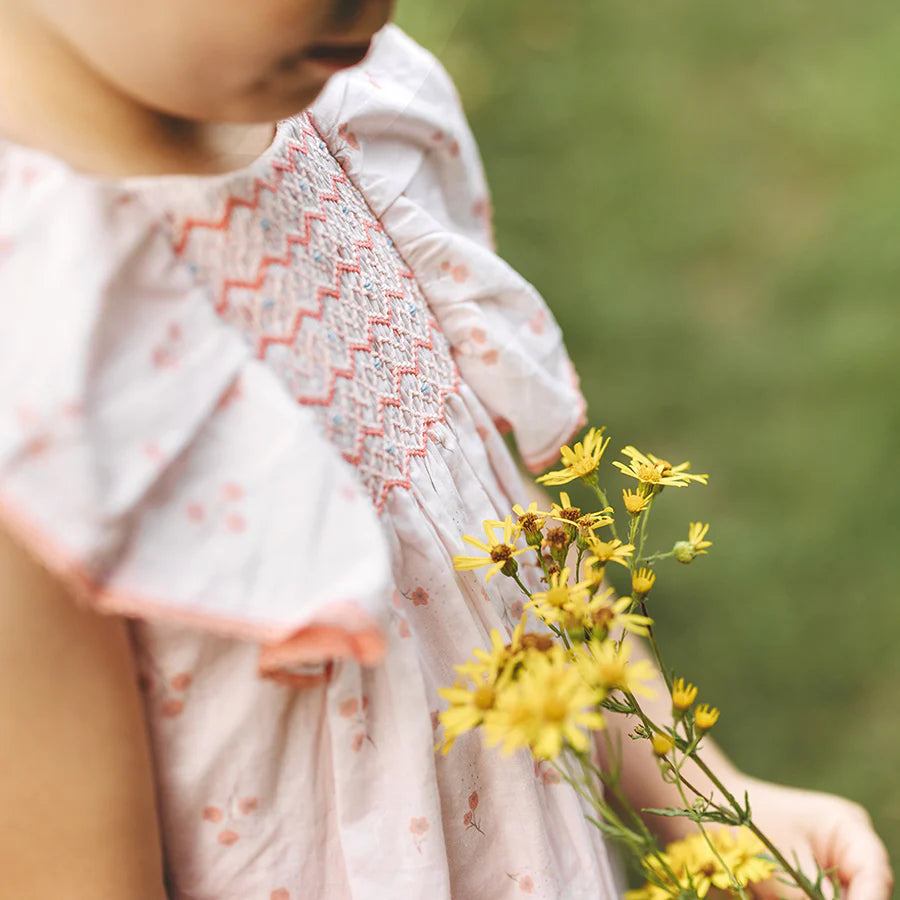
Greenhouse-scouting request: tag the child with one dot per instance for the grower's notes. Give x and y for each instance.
(251, 395)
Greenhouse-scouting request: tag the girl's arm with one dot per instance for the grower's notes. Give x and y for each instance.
(76, 784)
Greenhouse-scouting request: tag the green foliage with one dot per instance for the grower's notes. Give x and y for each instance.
(708, 195)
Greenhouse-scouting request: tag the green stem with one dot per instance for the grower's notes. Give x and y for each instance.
(656, 557)
(655, 647)
(601, 494)
(522, 587)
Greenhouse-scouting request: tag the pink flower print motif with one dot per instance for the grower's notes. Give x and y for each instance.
(525, 882)
(165, 353)
(235, 523)
(479, 335)
(216, 815)
(403, 629)
(347, 135)
(420, 597)
(545, 773)
(517, 610)
(171, 693)
(537, 322)
(280, 894)
(490, 357)
(459, 273)
(355, 711)
(435, 720)
(470, 819)
(418, 828)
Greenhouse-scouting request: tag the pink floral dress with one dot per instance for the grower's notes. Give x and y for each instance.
(255, 413)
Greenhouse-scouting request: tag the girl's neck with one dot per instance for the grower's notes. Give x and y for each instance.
(53, 101)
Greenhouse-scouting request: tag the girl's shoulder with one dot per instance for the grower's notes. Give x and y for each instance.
(147, 457)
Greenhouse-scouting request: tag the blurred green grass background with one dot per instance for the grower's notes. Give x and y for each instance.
(708, 195)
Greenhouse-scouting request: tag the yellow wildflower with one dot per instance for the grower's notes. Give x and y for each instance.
(561, 602)
(606, 666)
(697, 868)
(492, 664)
(642, 582)
(683, 695)
(580, 461)
(467, 709)
(609, 551)
(744, 854)
(610, 617)
(530, 522)
(704, 717)
(649, 469)
(696, 535)
(636, 503)
(548, 704)
(499, 553)
(662, 744)
(695, 545)
(571, 516)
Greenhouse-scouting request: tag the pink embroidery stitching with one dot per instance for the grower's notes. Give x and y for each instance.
(331, 306)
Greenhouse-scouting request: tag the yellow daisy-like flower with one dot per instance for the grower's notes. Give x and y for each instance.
(579, 461)
(610, 551)
(468, 706)
(696, 535)
(745, 855)
(642, 581)
(561, 600)
(499, 553)
(651, 470)
(605, 666)
(705, 717)
(612, 616)
(530, 521)
(683, 695)
(490, 665)
(636, 503)
(548, 704)
(571, 515)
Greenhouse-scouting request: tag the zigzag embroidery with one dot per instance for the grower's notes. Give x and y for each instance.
(397, 318)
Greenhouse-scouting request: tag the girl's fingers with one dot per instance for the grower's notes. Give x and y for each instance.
(863, 864)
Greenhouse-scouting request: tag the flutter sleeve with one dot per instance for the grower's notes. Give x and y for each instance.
(399, 130)
(147, 458)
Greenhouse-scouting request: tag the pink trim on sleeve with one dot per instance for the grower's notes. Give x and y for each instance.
(313, 643)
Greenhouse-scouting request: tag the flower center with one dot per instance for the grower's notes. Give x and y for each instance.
(554, 709)
(570, 513)
(484, 698)
(529, 522)
(501, 553)
(649, 474)
(557, 596)
(556, 537)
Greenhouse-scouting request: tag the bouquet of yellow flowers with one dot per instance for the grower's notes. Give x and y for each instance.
(552, 687)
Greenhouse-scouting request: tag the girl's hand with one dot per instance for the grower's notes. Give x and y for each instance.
(821, 828)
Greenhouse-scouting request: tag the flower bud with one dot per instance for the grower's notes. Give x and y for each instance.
(662, 744)
(684, 552)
